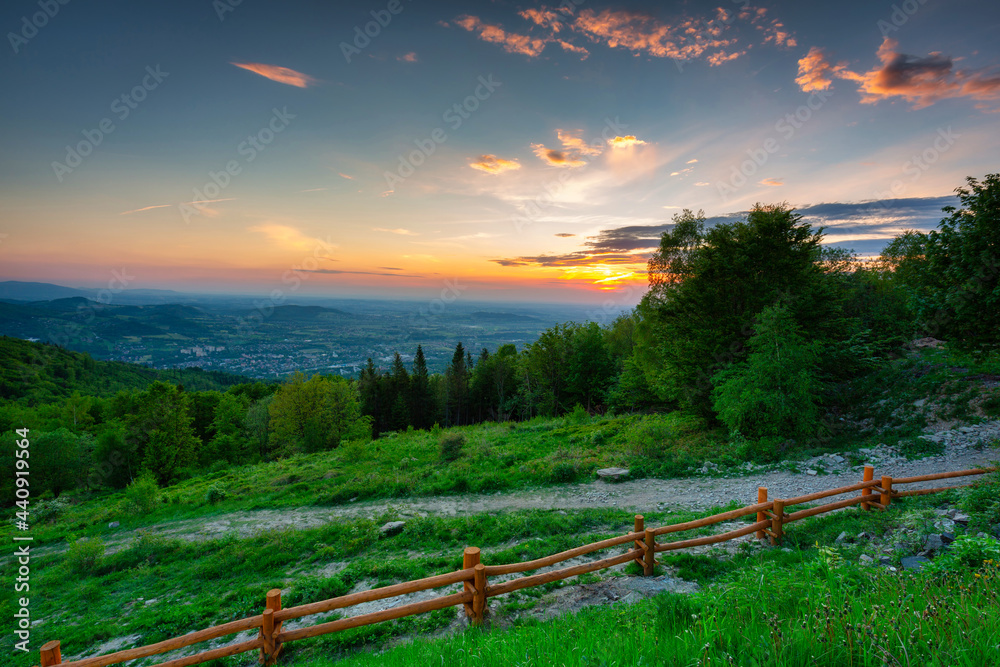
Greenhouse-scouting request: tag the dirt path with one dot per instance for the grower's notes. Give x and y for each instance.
(643, 495)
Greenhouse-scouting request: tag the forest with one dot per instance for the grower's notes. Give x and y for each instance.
(755, 327)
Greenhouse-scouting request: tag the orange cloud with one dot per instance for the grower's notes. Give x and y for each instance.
(626, 141)
(815, 71)
(410, 57)
(511, 42)
(491, 164)
(921, 81)
(543, 17)
(571, 141)
(279, 74)
(556, 158)
(773, 182)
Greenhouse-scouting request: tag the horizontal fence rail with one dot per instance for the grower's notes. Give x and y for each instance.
(474, 575)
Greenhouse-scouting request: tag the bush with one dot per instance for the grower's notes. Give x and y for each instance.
(579, 415)
(141, 494)
(564, 473)
(215, 494)
(451, 445)
(85, 554)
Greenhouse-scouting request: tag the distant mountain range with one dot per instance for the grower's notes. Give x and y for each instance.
(14, 290)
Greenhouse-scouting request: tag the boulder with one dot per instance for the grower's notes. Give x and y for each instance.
(914, 562)
(811, 472)
(113, 524)
(841, 537)
(961, 518)
(613, 474)
(865, 559)
(921, 343)
(837, 458)
(947, 538)
(392, 528)
(934, 543)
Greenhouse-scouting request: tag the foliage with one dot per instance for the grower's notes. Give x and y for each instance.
(451, 445)
(708, 287)
(84, 555)
(958, 286)
(315, 414)
(142, 494)
(774, 392)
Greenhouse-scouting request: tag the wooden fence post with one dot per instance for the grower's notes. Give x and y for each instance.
(761, 498)
(868, 476)
(470, 558)
(269, 652)
(51, 653)
(886, 496)
(479, 601)
(779, 518)
(649, 558)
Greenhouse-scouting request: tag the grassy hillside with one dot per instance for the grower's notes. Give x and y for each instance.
(36, 373)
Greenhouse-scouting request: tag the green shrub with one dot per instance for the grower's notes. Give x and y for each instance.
(774, 392)
(579, 415)
(215, 494)
(85, 554)
(141, 494)
(451, 445)
(563, 473)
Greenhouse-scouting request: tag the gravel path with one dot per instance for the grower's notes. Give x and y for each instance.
(963, 450)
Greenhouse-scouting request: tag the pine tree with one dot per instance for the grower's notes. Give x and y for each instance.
(421, 399)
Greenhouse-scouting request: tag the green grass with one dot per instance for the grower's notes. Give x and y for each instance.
(762, 617)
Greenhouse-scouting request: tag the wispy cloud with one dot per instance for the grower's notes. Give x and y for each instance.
(410, 57)
(556, 158)
(343, 175)
(565, 235)
(400, 231)
(146, 208)
(314, 190)
(288, 237)
(921, 81)
(773, 182)
(361, 273)
(280, 74)
(511, 42)
(491, 164)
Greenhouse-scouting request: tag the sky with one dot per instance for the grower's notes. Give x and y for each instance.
(518, 151)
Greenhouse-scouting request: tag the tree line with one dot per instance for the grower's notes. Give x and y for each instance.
(754, 325)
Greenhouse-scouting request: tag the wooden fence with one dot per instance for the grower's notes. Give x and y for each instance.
(771, 517)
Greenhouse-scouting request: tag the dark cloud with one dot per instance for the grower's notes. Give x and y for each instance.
(361, 273)
(565, 235)
(864, 226)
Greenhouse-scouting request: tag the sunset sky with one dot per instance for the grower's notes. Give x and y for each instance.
(531, 151)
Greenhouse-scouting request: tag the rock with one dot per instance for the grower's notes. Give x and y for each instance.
(392, 528)
(837, 458)
(613, 474)
(811, 472)
(914, 563)
(921, 343)
(961, 518)
(996, 531)
(865, 559)
(841, 538)
(863, 536)
(352, 499)
(933, 543)
(885, 560)
(947, 538)
(919, 403)
(113, 524)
